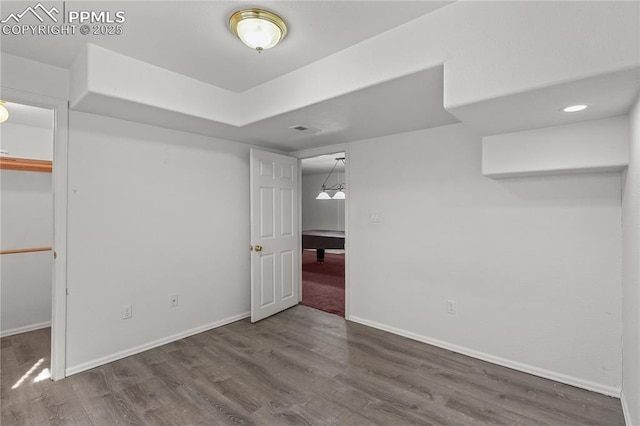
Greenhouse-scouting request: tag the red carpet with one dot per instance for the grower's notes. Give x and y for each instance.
(323, 283)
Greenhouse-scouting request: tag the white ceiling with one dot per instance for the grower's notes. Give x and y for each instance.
(606, 96)
(192, 37)
(322, 164)
(407, 103)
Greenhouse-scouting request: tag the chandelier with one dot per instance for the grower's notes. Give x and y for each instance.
(338, 187)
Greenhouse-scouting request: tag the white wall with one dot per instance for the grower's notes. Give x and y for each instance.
(26, 212)
(631, 275)
(534, 264)
(26, 292)
(152, 212)
(24, 141)
(321, 214)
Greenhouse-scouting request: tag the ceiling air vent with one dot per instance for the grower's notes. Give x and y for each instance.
(305, 129)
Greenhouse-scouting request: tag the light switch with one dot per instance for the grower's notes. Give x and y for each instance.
(374, 216)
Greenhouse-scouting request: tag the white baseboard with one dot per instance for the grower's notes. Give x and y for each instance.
(625, 410)
(26, 328)
(150, 345)
(526, 368)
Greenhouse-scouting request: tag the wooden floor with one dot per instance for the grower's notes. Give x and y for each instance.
(299, 367)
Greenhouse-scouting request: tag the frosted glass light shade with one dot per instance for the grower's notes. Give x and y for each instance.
(339, 195)
(257, 28)
(258, 34)
(323, 196)
(4, 114)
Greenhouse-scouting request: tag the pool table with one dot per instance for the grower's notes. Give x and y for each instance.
(321, 239)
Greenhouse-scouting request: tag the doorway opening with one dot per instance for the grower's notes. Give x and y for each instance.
(26, 243)
(323, 232)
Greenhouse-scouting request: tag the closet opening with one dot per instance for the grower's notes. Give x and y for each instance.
(26, 241)
(323, 198)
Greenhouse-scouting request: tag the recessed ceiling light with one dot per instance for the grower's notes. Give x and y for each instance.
(258, 28)
(575, 108)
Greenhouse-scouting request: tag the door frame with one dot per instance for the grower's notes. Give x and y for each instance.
(60, 109)
(314, 152)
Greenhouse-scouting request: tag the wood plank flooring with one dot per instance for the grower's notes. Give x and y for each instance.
(300, 367)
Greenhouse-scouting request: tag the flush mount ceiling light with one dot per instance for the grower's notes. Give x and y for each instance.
(4, 114)
(339, 187)
(258, 28)
(575, 108)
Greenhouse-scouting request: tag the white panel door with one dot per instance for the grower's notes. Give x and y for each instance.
(274, 233)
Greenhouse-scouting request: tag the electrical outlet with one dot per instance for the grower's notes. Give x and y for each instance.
(173, 300)
(127, 312)
(451, 307)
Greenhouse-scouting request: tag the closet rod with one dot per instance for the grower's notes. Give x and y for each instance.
(26, 250)
(26, 164)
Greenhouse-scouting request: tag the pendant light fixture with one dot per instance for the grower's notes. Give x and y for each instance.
(4, 114)
(339, 187)
(323, 195)
(258, 28)
(339, 195)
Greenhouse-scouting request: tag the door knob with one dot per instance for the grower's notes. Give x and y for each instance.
(258, 248)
